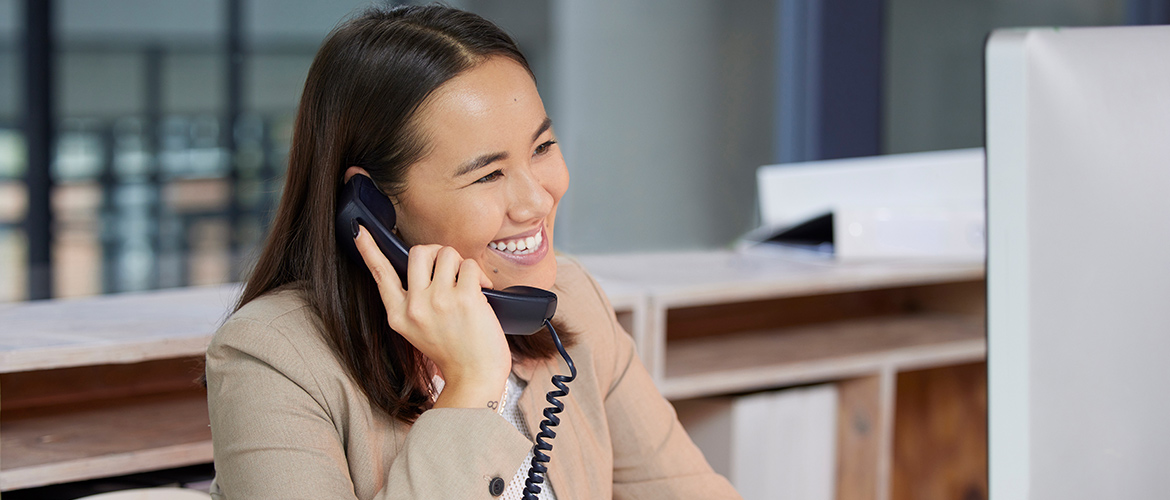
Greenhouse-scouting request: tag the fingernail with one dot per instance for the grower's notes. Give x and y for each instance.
(353, 224)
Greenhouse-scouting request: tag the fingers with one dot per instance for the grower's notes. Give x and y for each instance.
(471, 275)
(446, 266)
(389, 284)
(427, 265)
(421, 266)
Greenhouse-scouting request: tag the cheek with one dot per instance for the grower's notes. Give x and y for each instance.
(461, 224)
(479, 225)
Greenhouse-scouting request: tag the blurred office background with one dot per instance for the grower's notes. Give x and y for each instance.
(164, 125)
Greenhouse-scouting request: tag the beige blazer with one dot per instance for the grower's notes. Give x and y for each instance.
(288, 421)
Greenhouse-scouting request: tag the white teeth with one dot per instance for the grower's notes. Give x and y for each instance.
(520, 246)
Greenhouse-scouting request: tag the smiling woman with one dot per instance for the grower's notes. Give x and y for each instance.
(334, 379)
(490, 207)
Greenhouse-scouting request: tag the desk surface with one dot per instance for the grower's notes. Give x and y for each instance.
(680, 279)
(133, 327)
(117, 328)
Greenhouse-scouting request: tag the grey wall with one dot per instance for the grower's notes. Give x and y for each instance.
(934, 62)
(102, 67)
(664, 112)
(8, 13)
(177, 21)
(9, 91)
(10, 33)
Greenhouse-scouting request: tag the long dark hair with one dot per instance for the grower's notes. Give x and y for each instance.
(362, 93)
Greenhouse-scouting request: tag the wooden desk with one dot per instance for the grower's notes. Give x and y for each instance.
(666, 290)
(104, 386)
(722, 323)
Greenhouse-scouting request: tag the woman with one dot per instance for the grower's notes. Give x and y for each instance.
(332, 380)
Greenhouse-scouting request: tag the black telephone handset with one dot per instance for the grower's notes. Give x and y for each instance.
(522, 310)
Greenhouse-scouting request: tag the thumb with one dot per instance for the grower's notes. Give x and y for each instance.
(484, 281)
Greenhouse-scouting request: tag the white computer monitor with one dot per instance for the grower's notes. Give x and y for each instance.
(1078, 154)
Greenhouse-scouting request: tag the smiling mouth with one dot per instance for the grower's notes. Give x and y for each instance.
(519, 246)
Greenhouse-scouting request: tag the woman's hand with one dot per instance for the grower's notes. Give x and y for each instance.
(445, 315)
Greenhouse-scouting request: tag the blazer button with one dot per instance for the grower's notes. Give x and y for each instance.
(496, 487)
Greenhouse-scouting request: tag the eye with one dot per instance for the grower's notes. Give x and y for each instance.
(490, 177)
(543, 148)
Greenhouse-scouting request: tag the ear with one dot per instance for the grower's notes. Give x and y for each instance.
(351, 171)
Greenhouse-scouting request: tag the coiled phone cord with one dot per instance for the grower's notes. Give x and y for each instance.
(539, 458)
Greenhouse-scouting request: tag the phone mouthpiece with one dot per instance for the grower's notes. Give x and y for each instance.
(522, 310)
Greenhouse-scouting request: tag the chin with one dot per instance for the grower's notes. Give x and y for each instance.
(548, 273)
(542, 275)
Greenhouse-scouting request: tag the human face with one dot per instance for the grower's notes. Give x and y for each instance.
(492, 178)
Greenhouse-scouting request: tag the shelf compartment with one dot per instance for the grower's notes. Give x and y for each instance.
(763, 359)
(75, 442)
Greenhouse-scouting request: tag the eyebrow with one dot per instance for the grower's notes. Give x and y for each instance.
(544, 126)
(479, 162)
(487, 159)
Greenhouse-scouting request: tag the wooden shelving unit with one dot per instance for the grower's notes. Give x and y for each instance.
(743, 284)
(713, 324)
(760, 360)
(105, 386)
(106, 438)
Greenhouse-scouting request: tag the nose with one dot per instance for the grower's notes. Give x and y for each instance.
(530, 200)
